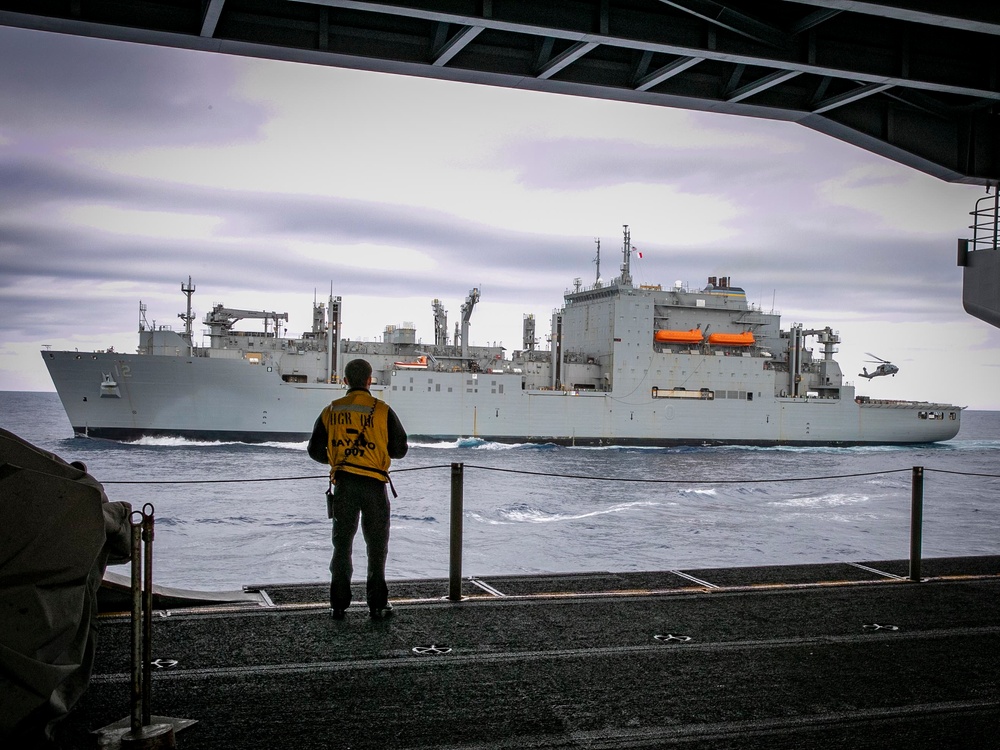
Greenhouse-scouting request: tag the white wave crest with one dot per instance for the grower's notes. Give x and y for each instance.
(821, 501)
(524, 513)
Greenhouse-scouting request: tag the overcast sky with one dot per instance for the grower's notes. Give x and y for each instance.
(124, 169)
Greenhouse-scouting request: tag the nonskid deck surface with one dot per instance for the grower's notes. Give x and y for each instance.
(839, 655)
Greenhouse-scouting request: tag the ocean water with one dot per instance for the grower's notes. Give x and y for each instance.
(233, 514)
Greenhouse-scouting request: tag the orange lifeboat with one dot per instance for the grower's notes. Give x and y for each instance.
(694, 336)
(420, 364)
(732, 339)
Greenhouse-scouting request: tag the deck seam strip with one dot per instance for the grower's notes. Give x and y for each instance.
(406, 659)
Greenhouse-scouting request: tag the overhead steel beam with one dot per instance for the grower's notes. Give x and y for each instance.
(849, 97)
(727, 18)
(761, 84)
(211, 18)
(670, 70)
(565, 59)
(981, 16)
(424, 11)
(811, 21)
(456, 44)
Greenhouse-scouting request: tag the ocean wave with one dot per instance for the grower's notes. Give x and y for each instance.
(525, 513)
(482, 445)
(821, 501)
(829, 449)
(405, 517)
(162, 441)
(233, 520)
(284, 446)
(177, 442)
(969, 445)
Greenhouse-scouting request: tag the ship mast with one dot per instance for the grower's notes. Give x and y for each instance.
(333, 366)
(626, 277)
(188, 317)
(597, 260)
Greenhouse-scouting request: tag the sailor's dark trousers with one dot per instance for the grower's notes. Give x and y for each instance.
(365, 498)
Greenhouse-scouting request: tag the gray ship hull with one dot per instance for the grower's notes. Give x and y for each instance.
(125, 397)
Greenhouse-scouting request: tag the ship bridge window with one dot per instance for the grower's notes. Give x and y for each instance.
(735, 395)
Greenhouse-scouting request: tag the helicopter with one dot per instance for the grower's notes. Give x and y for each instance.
(885, 368)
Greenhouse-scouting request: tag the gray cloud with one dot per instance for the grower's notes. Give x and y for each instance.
(585, 164)
(107, 94)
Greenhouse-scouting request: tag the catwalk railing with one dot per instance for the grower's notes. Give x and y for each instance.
(457, 501)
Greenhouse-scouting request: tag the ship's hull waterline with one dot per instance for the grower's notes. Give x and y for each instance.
(231, 400)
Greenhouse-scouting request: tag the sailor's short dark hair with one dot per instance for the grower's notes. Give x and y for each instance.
(357, 372)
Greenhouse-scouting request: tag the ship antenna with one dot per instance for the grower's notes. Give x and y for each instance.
(597, 260)
(626, 279)
(187, 317)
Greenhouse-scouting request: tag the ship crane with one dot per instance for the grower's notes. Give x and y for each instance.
(440, 323)
(830, 375)
(827, 338)
(470, 303)
(221, 320)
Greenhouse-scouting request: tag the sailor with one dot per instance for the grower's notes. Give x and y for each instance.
(358, 435)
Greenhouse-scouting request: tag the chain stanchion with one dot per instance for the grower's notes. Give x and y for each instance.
(135, 713)
(916, 521)
(457, 502)
(147, 612)
(143, 733)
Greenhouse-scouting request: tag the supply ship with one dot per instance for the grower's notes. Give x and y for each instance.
(626, 365)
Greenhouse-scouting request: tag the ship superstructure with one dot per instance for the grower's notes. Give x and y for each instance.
(626, 365)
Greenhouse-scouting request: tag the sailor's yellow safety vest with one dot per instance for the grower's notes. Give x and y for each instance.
(357, 428)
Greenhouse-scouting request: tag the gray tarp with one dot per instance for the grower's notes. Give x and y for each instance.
(58, 532)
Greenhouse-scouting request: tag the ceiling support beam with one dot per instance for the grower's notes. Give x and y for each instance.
(761, 84)
(456, 44)
(731, 20)
(565, 59)
(660, 75)
(849, 97)
(210, 19)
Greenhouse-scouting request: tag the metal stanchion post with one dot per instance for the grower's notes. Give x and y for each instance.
(147, 612)
(916, 521)
(455, 576)
(143, 732)
(135, 711)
